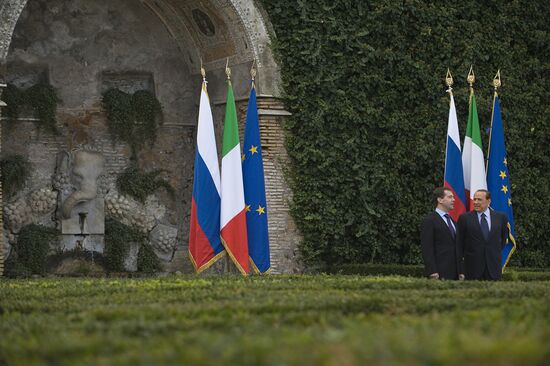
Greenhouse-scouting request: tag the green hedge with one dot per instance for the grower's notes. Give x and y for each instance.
(273, 320)
(511, 274)
(365, 84)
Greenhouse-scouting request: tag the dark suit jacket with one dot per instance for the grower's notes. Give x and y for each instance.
(439, 250)
(479, 252)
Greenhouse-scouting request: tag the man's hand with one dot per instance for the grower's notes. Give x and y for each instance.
(461, 277)
(434, 276)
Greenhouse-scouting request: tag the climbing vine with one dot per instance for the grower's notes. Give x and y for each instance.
(41, 98)
(15, 170)
(132, 118)
(118, 238)
(364, 81)
(147, 261)
(31, 250)
(140, 185)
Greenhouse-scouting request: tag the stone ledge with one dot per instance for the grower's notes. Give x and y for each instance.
(273, 112)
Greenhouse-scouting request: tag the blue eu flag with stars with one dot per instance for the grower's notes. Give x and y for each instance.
(254, 189)
(498, 180)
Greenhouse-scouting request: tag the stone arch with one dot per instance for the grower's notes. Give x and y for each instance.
(185, 21)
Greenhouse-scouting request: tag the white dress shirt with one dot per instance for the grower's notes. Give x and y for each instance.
(442, 214)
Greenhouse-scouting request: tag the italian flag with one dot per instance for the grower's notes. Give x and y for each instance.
(233, 213)
(473, 161)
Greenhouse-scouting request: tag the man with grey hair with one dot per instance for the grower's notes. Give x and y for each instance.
(481, 235)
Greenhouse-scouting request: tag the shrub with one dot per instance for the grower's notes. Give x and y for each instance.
(31, 250)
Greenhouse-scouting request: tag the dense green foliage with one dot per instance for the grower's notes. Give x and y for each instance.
(138, 185)
(365, 84)
(118, 238)
(15, 170)
(41, 98)
(147, 260)
(132, 118)
(273, 320)
(31, 250)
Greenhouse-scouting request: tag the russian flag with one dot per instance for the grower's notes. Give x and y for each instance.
(205, 245)
(454, 174)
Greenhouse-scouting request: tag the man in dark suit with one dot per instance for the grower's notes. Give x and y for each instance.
(442, 259)
(481, 236)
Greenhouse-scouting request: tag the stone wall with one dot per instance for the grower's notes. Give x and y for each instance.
(2, 104)
(82, 48)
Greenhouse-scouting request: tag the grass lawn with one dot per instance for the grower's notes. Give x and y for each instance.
(274, 320)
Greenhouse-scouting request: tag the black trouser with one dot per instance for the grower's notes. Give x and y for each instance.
(486, 276)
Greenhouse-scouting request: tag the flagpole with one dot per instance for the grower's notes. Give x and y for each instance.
(449, 81)
(253, 73)
(227, 259)
(496, 85)
(471, 80)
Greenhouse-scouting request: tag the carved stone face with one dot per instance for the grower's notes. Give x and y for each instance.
(87, 166)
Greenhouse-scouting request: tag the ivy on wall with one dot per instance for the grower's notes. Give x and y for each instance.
(132, 118)
(118, 238)
(41, 98)
(147, 260)
(140, 185)
(365, 84)
(15, 170)
(31, 250)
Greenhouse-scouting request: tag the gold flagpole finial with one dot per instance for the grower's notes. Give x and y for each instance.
(227, 69)
(496, 81)
(203, 71)
(471, 77)
(253, 70)
(449, 81)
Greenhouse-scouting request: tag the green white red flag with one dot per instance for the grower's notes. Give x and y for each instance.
(233, 215)
(473, 161)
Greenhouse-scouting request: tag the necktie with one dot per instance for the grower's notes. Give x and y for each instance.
(450, 224)
(484, 227)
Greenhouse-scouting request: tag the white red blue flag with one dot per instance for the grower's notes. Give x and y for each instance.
(205, 245)
(454, 175)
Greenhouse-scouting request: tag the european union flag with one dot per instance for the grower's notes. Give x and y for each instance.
(254, 189)
(498, 180)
